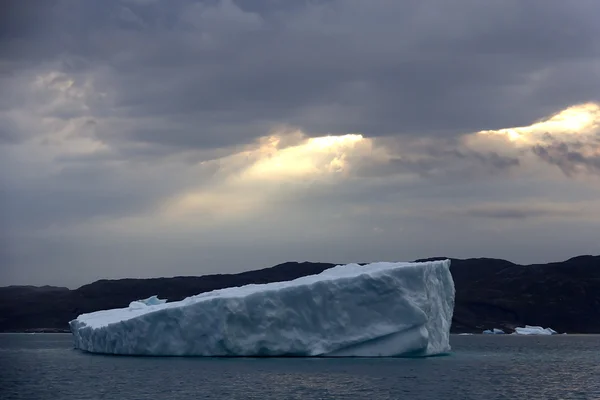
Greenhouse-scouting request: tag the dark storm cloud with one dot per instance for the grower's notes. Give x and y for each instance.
(499, 211)
(569, 157)
(226, 73)
(444, 159)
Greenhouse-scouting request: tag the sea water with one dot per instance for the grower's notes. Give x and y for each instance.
(45, 366)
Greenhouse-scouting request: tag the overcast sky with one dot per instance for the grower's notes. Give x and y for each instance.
(143, 138)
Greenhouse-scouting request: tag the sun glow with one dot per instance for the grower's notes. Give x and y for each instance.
(582, 119)
(289, 159)
(324, 142)
(311, 158)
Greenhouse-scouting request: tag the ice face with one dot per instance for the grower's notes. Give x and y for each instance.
(380, 309)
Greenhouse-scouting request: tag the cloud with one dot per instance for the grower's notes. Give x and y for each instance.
(217, 73)
(253, 178)
(285, 170)
(569, 139)
(575, 123)
(568, 160)
(521, 211)
(188, 135)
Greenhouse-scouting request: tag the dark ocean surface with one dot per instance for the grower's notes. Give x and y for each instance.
(45, 366)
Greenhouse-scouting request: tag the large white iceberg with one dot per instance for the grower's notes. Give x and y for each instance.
(380, 309)
(534, 330)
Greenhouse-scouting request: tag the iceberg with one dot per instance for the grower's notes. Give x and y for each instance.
(534, 330)
(494, 331)
(150, 301)
(376, 310)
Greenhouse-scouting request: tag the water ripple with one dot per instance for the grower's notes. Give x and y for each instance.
(481, 367)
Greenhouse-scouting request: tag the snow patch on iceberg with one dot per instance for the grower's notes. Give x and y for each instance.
(380, 309)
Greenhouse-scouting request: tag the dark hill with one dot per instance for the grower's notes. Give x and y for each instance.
(489, 293)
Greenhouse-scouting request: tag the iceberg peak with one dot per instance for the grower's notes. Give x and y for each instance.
(150, 301)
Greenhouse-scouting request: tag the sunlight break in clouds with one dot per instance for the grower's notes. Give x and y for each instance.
(272, 169)
(569, 140)
(571, 124)
(285, 164)
(313, 157)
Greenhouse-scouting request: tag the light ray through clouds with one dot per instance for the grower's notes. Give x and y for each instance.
(280, 167)
(569, 139)
(579, 122)
(272, 170)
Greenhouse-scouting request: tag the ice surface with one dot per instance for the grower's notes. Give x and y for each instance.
(380, 309)
(150, 301)
(494, 331)
(534, 330)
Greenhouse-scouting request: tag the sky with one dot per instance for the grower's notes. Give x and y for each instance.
(146, 138)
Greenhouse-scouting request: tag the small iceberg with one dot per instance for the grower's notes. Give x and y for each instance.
(150, 301)
(494, 331)
(534, 330)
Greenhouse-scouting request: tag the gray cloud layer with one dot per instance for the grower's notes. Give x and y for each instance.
(111, 109)
(382, 68)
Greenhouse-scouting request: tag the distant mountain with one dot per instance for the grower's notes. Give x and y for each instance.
(490, 293)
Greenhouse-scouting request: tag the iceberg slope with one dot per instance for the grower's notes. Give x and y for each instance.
(380, 309)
